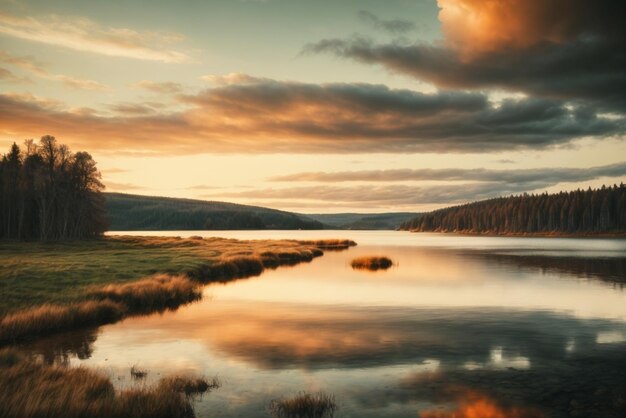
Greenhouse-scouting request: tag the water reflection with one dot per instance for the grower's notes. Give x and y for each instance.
(450, 331)
(608, 269)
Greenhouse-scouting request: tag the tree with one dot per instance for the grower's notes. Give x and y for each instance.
(49, 193)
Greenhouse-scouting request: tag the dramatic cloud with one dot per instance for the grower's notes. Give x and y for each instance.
(34, 67)
(547, 176)
(274, 116)
(477, 26)
(395, 26)
(574, 50)
(85, 35)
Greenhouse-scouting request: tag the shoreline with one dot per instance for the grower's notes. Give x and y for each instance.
(112, 301)
(525, 234)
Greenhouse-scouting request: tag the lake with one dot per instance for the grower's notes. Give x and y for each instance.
(502, 325)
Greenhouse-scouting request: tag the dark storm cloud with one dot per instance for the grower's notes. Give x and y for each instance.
(586, 69)
(395, 26)
(270, 116)
(574, 49)
(546, 175)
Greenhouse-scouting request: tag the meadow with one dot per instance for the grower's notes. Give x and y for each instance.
(49, 287)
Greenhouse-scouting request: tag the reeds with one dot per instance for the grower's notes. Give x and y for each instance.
(372, 263)
(151, 294)
(304, 405)
(108, 304)
(29, 388)
(222, 260)
(48, 319)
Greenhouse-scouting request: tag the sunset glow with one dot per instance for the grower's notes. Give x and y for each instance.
(228, 95)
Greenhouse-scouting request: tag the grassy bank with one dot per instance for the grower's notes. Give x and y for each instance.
(50, 287)
(30, 388)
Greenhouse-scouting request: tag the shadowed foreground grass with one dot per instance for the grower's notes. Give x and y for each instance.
(29, 388)
(55, 287)
(371, 263)
(304, 405)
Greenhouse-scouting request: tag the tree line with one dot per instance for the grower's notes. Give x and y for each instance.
(48, 192)
(600, 210)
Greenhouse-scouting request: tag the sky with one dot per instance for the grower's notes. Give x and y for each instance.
(323, 106)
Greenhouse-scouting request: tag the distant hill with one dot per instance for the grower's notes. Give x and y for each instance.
(129, 212)
(584, 212)
(391, 220)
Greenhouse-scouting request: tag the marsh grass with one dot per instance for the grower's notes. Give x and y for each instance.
(138, 373)
(304, 405)
(90, 283)
(105, 305)
(30, 388)
(48, 319)
(155, 293)
(372, 263)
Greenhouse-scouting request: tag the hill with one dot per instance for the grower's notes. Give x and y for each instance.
(391, 220)
(129, 212)
(580, 212)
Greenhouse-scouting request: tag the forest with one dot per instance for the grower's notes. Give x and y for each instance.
(588, 211)
(47, 192)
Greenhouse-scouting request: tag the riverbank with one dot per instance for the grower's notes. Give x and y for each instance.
(528, 234)
(53, 287)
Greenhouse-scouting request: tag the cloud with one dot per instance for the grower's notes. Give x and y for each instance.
(38, 69)
(165, 87)
(231, 78)
(395, 26)
(114, 186)
(477, 26)
(572, 50)
(133, 109)
(548, 176)
(85, 35)
(274, 116)
(8, 75)
(389, 195)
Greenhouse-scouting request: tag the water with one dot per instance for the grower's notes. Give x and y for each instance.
(511, 325)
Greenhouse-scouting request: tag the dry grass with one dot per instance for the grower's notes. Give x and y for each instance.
(34, 273)
(188, 263)
(138, 373)
(110, 303)
(30, 389)
(304, 405)
(151, 294)
(372, 263)
(48, 319)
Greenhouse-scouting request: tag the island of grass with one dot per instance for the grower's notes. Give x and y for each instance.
(372, 263)
(53, 287)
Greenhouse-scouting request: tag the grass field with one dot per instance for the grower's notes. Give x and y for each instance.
(34, 273)
(54, 287)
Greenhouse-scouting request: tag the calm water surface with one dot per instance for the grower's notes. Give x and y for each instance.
(519, 326)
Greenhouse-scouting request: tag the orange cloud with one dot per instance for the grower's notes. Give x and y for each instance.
(476, 26)
(269, 116)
